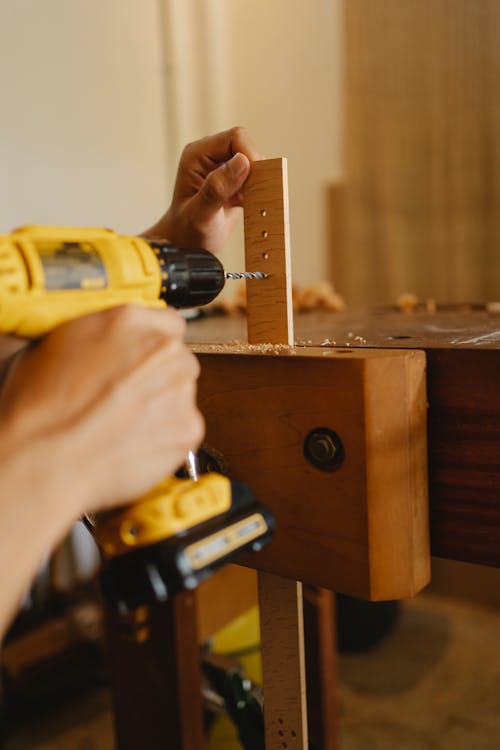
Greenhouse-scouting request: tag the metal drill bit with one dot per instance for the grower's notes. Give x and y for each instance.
(246, 275)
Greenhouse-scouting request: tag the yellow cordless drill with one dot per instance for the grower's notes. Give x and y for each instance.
(174, 536)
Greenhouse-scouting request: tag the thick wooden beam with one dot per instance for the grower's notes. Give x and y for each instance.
(360, 528)
(464, 454)
(462, 343)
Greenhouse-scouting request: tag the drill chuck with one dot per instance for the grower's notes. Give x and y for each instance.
(191, 277)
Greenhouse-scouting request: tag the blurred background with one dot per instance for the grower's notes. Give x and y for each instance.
(387, 111)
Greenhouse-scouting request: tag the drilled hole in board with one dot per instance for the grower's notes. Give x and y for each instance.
(294, 734)
(280, 721)
(264, 233)
(263, 212)
(281, 733)
(265, 256)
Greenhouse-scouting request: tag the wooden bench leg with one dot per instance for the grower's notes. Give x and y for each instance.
(321, 667)
(156, 679)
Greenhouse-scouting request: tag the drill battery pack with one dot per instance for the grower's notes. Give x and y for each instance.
(158, 571)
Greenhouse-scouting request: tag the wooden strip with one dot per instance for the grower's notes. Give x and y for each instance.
(267, 248)
(270, 320)
(282, 636)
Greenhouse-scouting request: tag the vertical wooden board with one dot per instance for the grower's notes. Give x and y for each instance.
(282, 637)
(267, 248)
(270, 320)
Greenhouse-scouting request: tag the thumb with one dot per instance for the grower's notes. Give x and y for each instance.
(223, 184)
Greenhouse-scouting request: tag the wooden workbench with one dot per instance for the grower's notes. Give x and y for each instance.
(331, 435)
(462, 348)
(463, 380)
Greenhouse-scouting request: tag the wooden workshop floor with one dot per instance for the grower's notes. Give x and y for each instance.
(433, 684)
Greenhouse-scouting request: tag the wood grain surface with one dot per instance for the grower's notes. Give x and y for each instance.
(462, 343)
(270, 319)
(156, 683)
(464, 454)
(282, 638)
(267, 248)
(362, 528)
(321, 667)
(450, 327)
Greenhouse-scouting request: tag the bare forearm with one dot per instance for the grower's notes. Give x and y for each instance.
(91, 417)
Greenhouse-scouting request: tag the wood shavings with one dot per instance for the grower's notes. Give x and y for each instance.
(318, 296)
(407, 302)
(241, 347)
(493, 307)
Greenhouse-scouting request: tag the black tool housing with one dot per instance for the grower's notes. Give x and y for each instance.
(159, 571)
(191, 277)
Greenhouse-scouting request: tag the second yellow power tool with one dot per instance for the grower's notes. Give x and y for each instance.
(175, 535)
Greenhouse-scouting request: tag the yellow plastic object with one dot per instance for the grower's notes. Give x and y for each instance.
(241, 639)
(170, 508)
(77, 270)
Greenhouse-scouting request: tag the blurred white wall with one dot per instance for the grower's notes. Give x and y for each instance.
(83, 118)
(98, 98)
(276, 67)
